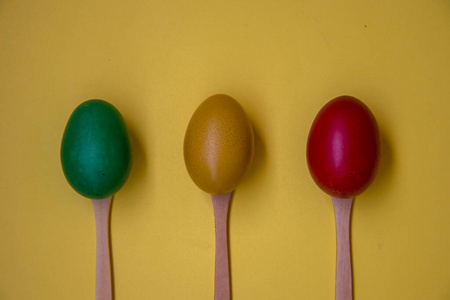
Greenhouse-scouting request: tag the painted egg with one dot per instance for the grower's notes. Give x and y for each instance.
(96, 150)
(343, 147)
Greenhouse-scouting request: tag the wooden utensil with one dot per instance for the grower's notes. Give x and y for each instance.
(342, 153)
(344, 280)
(218, 150)
(96, 160)
(221, 204)
(103, 287)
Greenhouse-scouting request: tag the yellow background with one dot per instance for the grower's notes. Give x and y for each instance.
(282, 60)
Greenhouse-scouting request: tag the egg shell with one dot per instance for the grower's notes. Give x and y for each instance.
(96, 150)
(218, 145)
(343, 147)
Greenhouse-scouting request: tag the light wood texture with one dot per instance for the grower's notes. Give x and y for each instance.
(221, 204)
(344, 282)
(103, 288)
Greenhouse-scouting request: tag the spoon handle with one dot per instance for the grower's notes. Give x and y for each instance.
(342, 211)
(103, 290)
(221, 204)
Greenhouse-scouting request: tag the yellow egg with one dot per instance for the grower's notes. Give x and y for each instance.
(218, 145)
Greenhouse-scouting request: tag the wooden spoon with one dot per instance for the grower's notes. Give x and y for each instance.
(221, 204)
(342, 212)
(96, 159)
(103, 287)
(342, 153)
(218, 150)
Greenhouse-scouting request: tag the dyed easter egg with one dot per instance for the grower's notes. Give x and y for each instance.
(343, 147)
(96, 150)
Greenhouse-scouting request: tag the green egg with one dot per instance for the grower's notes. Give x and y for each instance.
(96, 150)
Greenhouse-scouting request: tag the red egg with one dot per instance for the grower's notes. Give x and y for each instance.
(343, 147)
